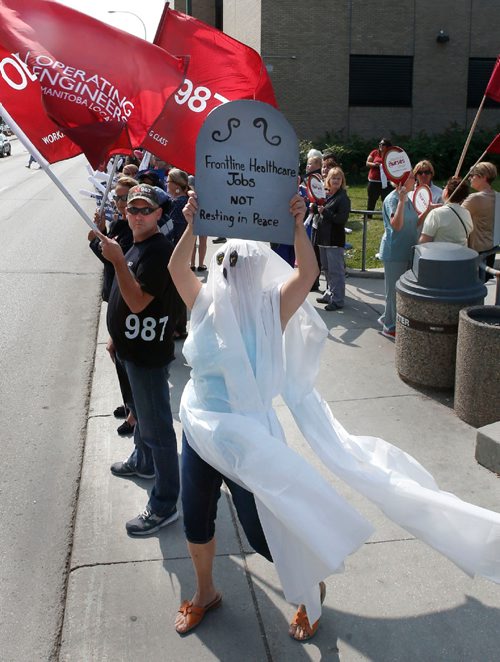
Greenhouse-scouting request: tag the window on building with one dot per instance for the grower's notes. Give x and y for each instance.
(480, 70)
(219, 14)
(380, 80)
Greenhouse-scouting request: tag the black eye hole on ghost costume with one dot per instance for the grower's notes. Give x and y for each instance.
(233, 259)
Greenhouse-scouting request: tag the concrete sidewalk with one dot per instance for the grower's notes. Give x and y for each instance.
(397, 600)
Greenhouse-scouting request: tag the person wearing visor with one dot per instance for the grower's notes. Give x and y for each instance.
(140, 323)
(483, 206)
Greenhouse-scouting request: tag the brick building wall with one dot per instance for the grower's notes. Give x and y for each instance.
(307, 48)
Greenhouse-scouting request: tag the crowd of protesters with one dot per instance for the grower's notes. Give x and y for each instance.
(149, 255)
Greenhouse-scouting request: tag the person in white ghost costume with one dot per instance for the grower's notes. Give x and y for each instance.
(252, 337)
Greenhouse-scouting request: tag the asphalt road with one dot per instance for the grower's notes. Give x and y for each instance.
(49, 298)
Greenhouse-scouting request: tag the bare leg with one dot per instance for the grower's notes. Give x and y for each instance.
(131, 419)
(202, 557)
(193, 260)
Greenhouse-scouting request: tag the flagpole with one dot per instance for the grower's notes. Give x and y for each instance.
(109, 184)
(469, 137)
(44, 164)
(468, 173)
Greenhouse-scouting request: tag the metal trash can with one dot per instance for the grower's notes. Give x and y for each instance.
(443, 280)
(477, 382)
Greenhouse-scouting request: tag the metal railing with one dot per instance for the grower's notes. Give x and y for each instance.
(367, 215)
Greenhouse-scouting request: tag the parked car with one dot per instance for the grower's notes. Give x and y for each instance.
(5, 147)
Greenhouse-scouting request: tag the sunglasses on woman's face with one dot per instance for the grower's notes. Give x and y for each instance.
(424, 172)
(122, 198)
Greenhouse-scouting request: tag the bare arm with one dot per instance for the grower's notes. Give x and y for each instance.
(425, 238)
(132, 293)
(424, 214)
(397, 219)
(184, 279)
(298, 286)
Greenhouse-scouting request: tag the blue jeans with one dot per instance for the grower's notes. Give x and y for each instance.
(332, 261)
(392, 273)
(200, 493)
(154, 436)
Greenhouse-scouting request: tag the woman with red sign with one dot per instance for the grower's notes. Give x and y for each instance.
(330, 238)
(402, 229)
(376, 188)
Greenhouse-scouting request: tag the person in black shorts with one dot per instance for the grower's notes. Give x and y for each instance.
(140, 323)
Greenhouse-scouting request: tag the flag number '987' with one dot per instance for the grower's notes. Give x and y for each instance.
(196, 97)
(146, 328)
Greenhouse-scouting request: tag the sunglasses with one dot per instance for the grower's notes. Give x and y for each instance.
(143, 211)
(424, 172)
(123, 197)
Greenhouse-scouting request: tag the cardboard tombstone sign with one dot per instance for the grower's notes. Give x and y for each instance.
(422, 198)
(396, 165)
(247, 162)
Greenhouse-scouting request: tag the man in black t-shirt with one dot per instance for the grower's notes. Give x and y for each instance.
(140, 323)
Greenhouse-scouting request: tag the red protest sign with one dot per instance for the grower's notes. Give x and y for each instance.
(316, 189)
(396, 164)
(422, 198)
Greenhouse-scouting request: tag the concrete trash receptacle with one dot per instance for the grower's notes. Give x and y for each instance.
(443, 280)
(477, 383)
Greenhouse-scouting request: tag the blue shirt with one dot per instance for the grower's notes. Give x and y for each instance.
(396, 245)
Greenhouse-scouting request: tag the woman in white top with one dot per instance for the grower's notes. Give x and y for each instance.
(451, 222)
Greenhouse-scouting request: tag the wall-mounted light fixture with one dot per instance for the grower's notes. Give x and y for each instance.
(442, 37)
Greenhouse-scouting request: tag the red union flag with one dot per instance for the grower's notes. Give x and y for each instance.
(494, 146)
(20, 95)
(220, 69)
(493, 87)
(101, 87)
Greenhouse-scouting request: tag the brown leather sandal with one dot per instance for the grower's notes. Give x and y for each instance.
(194, 615)
(300, 620)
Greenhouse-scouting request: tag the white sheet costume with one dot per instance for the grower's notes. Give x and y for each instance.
(240, 361)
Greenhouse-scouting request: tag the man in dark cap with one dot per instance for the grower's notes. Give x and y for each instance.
(140, 324)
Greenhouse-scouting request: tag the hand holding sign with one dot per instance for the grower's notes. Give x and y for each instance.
(396, 165)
